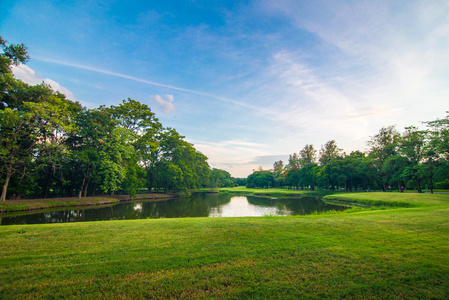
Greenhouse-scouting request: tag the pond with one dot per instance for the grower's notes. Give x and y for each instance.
(197, 205)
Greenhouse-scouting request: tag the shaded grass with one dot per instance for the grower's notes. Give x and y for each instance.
(391, 253)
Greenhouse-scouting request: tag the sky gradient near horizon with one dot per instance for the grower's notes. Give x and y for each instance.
(247, 82)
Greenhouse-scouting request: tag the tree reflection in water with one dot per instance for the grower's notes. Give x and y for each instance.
(197, 205)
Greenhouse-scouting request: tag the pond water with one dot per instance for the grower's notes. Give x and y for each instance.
(197, 205)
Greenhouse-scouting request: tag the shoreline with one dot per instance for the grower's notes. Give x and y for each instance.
(38, 204)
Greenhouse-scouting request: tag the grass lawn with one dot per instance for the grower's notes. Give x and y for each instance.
(401, 252)
(274, 191)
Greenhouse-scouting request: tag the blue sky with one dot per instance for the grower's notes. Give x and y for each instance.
(247, 82)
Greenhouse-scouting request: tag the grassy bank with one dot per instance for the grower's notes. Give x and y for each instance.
(397, 253)
(271, 192)
(34, 204)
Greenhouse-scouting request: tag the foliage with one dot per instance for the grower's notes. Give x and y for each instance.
(416, 159)
(220, 178)
(52, 146)
(260, 179)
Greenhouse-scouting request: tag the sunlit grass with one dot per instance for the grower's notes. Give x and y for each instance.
(274, 191)
(398, 253)
(392, 199)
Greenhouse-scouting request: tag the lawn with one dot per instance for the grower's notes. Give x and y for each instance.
(272, 191)
(400, 252)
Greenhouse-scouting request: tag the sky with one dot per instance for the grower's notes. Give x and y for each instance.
(246, 82)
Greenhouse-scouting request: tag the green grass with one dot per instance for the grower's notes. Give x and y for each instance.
(274, 192)
(381, 254)
(392, 199)
(12, 207)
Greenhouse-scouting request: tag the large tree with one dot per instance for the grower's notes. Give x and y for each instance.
(413, 146)
(307, 155)
(382, 146)
(329, 152)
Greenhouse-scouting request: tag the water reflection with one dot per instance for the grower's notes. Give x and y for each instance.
(198, 205)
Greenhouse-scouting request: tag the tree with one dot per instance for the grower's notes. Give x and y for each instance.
(329, 152)
(260, 179)
(115, 154)
(278, 172)
(220, 178)
(12, 54)
(383, 145)
(413, 146)
(69, 148)
(307, 155)
(309, 175)
(294, 161)
(32, 130)
(293, 177)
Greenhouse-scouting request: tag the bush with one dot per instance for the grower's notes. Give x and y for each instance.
(444, 185)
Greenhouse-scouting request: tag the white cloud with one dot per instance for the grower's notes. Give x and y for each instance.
(379, 64)
(166, 105)
(28, 75)
(237, 157)
(57, 87)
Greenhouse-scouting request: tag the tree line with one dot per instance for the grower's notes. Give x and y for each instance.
(413, 159)
(53, 147)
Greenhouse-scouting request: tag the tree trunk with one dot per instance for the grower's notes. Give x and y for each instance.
(5, 186)
(418, 185)
(47, 187)
(85, 188)
(47, 184)
(81, 187)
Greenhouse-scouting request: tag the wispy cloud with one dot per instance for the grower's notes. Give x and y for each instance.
(378, 64)
(107, 72)
(28, 75)
(167, 105)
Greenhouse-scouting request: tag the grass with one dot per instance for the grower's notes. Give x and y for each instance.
(271, 191)
(380, 254)
(392, 199)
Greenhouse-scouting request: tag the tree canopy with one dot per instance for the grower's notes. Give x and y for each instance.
(52, 146)
(413, 159)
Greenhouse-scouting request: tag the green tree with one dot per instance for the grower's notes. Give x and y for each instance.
(329, 152)
(307, 155)
(220, 178)
(114, 154)
(31, 131)
(437, 152)
(382, 146)
(413, 147)
(278, 173)
(93, 127)
(260, 179)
